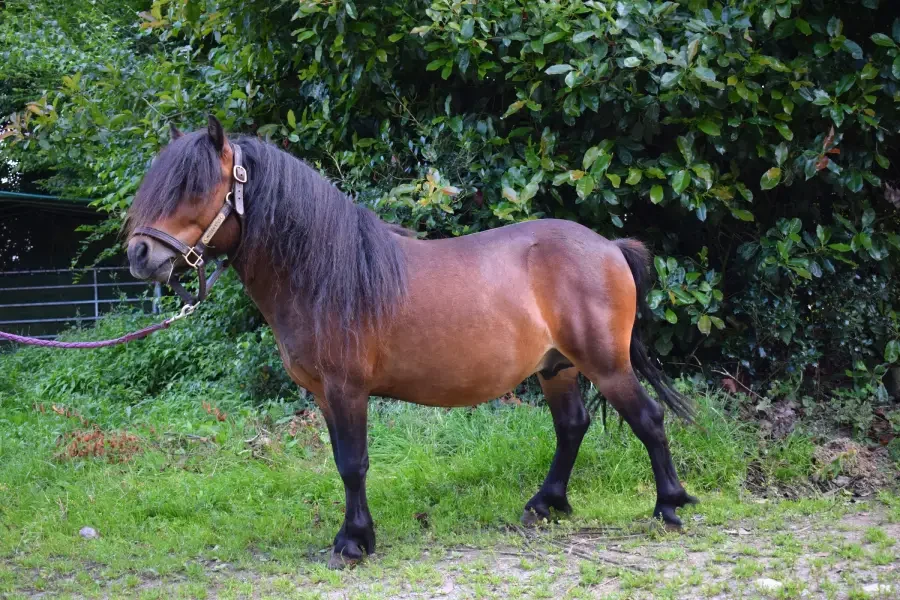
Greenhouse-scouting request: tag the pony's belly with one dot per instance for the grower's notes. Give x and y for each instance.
(452, 393)
(461, 376)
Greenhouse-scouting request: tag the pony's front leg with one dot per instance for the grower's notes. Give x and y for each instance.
(346, 412)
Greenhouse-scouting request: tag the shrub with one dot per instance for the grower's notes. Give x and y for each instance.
(750, 144)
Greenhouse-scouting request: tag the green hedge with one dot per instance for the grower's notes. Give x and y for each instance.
(751, 143)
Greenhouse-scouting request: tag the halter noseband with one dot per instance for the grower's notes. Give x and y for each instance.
(195, 257)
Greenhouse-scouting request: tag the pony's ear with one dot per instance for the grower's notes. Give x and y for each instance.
(174, 132)
(216, 133)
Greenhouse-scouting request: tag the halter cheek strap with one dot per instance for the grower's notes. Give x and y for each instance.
(195, 257)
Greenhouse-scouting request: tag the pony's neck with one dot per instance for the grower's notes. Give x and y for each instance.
(309, 250)
(261, 282)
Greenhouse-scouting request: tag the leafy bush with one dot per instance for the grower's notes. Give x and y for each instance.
(751, 144)
(221, 352)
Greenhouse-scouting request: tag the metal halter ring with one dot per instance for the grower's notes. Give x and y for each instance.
(193, 258)
(239, 173)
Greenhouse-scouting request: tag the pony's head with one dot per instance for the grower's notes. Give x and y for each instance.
(181, 195)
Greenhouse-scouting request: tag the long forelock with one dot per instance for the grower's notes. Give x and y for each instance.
(186, 169)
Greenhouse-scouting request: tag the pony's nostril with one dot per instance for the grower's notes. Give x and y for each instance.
(139, 253)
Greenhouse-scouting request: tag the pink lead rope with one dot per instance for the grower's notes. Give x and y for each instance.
(186, 310)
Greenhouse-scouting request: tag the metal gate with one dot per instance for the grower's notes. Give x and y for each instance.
(43, 303)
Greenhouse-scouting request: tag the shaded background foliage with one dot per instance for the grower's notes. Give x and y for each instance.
(751, 143)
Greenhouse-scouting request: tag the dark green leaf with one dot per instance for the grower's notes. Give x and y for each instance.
(781, 153)
(892, 351)
(558, 69)
(704, 325)
(845, 83)
(614, 179)
(853, 48)
(669, 79)
(821, 50)
(743, 215)
(784, 29)
(514, 108)
(589, 157)
(704, 73)
(821, 98)
(770, 178)
(835, 27)
(868, 217)
(680, 181)
(883, 40)
(584, 187)
(553, 36)
(709, 127)
(468, 29)
(784, 130)
(583, 36)
(661, 268)
(686, 146)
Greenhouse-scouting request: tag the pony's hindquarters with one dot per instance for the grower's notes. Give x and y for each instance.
(593, 302)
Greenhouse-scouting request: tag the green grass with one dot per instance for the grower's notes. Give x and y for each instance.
(206, 494)
(185, 503)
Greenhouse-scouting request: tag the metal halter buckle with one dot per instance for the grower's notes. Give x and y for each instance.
(193, 258)
(239, 173)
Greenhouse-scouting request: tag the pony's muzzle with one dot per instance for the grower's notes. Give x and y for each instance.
(148, 260)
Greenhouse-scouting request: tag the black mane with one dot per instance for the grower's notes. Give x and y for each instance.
(346, 269)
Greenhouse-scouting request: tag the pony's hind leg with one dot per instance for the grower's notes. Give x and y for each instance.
(571, 421)
(645, 417)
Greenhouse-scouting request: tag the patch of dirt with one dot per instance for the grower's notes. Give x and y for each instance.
(845, 464)
(819, 556)
(92, 441)
(840, 465)
(807, 557)
(779, 421)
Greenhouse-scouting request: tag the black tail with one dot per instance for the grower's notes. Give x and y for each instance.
(638, 258)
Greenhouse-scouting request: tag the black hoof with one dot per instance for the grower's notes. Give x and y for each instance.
(665, 510)
(340, 561)
(538, 508)
(667, 514)
(532, 518)
(351, 548)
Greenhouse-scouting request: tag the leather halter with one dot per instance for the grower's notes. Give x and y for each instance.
(195, 257)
